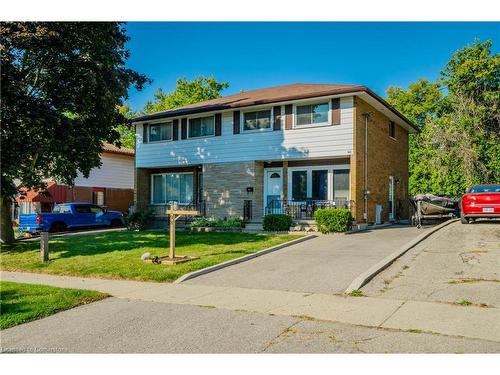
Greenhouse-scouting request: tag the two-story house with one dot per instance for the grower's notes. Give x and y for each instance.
(287, 149)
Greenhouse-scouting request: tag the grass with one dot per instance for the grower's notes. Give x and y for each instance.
(22, 303)
(356, 293)
(414, 330)
(117, 255)
(464, 302)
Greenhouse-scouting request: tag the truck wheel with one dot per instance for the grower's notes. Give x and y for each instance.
(116, 223)
(57, 227)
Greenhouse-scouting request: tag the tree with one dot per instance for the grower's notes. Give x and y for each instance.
(62, 84)
(185, 92)
(126, 130)
(458, 116)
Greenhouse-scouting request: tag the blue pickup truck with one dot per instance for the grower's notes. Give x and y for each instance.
(70, 216)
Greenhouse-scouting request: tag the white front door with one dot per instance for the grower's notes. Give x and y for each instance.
(391, 198)
(273, 187)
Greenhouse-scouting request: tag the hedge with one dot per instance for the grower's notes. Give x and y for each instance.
(232, 222)
(333, 220)
(277, 222)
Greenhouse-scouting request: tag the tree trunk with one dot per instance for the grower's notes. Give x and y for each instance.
(6, 229)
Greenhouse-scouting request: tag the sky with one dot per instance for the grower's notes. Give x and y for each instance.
(256, 55)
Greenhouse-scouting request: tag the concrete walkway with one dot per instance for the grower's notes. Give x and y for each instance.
(447, 319)
(326, 264)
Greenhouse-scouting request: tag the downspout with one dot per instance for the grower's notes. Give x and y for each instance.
(366, 116)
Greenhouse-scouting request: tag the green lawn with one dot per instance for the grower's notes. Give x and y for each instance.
(117, 255)
(22, 303)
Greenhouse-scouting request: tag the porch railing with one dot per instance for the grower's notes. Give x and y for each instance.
(304, 209)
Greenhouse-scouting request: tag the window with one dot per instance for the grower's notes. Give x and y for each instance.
(160, 132)
(392, 129)
(201, 127)
(341, 184)
(320, 184)
(312, 114)
(61, 209)
(98, 197)
(172, 187)
(257, 120)
(96, 210)
(299, 185)
(82, 209)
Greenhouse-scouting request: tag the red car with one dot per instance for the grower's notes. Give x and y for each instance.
(480, 201)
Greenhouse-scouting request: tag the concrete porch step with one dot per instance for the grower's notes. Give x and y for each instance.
(253, 226)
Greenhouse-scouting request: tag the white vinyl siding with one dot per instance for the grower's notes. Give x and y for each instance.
(300, 143)
(116, 171)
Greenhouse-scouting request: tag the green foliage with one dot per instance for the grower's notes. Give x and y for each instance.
(356, 293)
(186, 92)
(126, 130)
(232, 222)
(459, 143)
(277, 222)
(62, 85)
(330, 220)
(139, 220)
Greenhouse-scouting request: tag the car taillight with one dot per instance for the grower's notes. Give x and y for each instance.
(39, 219)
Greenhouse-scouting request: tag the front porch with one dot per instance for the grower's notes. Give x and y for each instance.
(249, 190)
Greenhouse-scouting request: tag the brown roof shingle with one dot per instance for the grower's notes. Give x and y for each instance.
(255, 97)
(112, 149)
(268, 95)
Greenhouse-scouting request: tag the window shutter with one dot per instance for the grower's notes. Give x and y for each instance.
(175, 130)
(277, 118)
(184, 128)
(336, 111)
(288, 116)
(218, 124)
(145, 128)
(236, 122)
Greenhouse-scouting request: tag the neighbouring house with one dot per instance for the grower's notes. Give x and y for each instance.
(111, 185)
(288, 149)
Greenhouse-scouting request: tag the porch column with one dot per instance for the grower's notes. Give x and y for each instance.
(285, 180)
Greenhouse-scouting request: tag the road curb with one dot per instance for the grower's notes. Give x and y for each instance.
(244, 258)
(369, 274)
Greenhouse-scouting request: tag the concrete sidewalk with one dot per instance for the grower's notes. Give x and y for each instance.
(443, 318)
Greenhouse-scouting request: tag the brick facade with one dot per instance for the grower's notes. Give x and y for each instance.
(386, 157)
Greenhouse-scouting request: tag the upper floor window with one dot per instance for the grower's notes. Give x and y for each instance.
(160, 132)
(392, 129)
(257, 120)
(312, 114)
(201, 127)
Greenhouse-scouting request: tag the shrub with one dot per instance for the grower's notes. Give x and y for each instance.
(232, 222)
(138, 220)
(277, 222)
(333, 220)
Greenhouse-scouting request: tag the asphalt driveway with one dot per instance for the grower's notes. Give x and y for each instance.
(460, 265)
(326, 264)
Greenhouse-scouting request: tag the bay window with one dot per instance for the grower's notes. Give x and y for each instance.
(168, 187)
(311, 114)
(201, 127)
(257, 120)
(160, 132)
